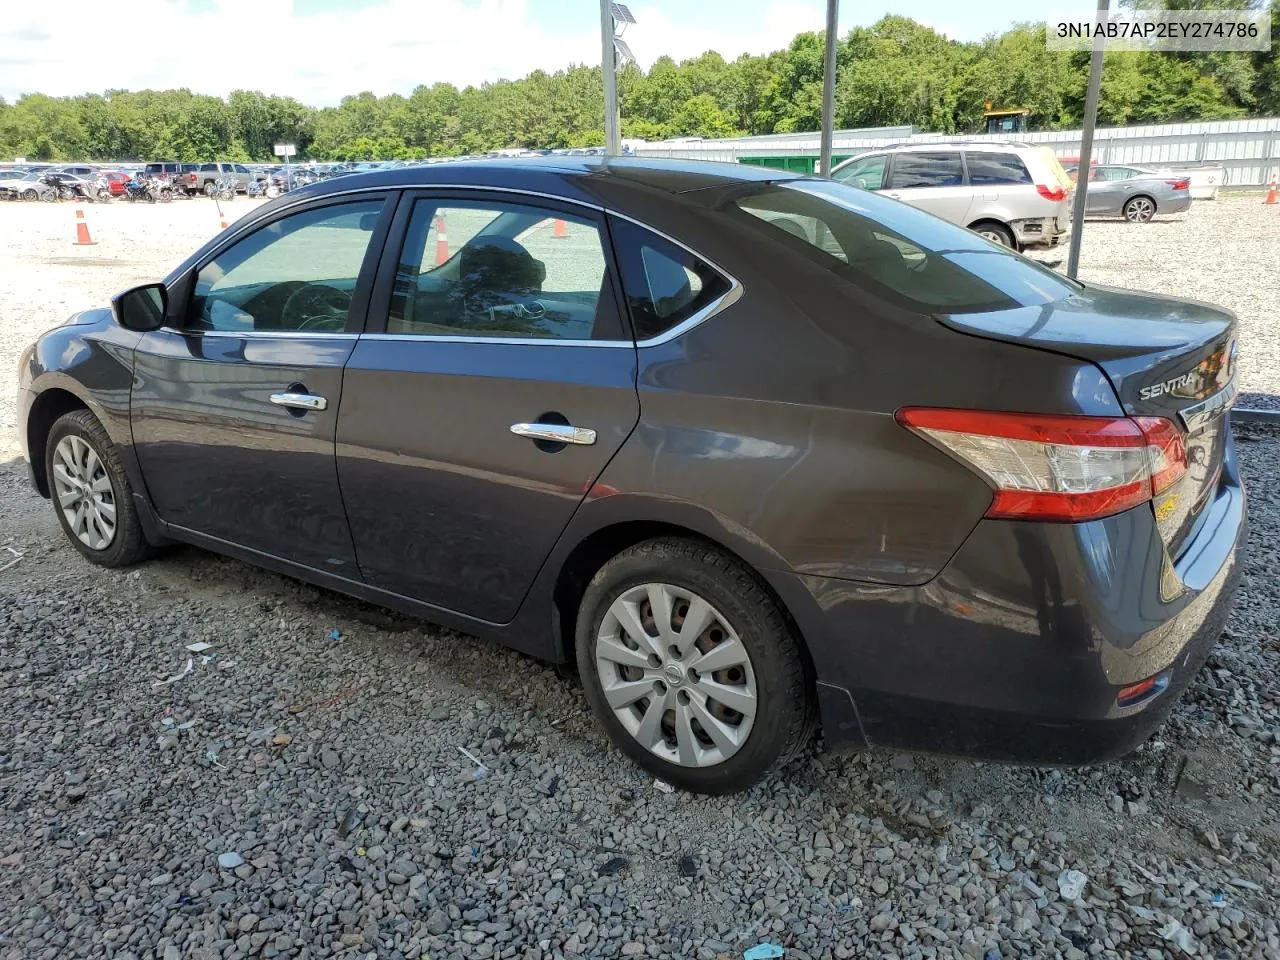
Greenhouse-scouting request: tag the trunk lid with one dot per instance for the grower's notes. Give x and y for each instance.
(1164, 357)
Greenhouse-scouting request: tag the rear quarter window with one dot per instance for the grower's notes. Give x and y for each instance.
(665, 285)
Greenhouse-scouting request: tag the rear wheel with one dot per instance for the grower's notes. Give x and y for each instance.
(91, 492)
(995, 232)
(691, 667)
(30, 194)
(1139, 209)
(210, 188)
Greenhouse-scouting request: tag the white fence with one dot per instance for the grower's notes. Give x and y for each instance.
(1248, 150)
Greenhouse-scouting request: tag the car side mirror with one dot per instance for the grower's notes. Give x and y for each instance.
(860, 182)
(369, 222)
(142, 308)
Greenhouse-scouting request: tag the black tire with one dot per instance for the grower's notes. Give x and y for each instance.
(210, 188)
(129, 544)
(996, 233)
(1139, 209)
(787, 712)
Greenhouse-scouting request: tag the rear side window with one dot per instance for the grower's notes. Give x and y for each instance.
(492, 269)
(894, 251)
(209, 168)
(926, 170)
(996, 168)
(241, 168)
(664, 284)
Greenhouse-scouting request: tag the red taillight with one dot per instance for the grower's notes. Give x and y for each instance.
(1062, 468)
(1055, 194)
(1179, 184)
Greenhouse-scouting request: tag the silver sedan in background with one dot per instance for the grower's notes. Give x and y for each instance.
(1135, 193)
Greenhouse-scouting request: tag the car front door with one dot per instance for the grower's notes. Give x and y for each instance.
(865, 172)
(934, 182)
(235, 402)
(495, 383)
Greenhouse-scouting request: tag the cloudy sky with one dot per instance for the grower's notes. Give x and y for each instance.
(319, 50)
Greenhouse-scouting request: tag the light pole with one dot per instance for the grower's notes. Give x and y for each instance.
(829, 87)
(613, 49)
(1086, 147)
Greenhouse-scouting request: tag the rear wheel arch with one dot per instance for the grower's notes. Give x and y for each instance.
(50, 405)
(602, 545)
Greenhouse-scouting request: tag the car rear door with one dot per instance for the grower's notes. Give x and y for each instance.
(934, 182)
(496, 381)
(235, 401)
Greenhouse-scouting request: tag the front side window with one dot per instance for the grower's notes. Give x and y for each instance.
(986, 169)
(241, 168)
(209, 168)
(296, 274)
(894, 251)
(664, 284)
(912, 170)
(502, 270)
(867, 173)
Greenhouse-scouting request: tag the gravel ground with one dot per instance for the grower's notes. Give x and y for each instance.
(301, 795)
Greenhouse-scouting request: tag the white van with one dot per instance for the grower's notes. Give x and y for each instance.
(1014, 194)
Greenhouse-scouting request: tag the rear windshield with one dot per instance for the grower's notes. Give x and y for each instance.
(897, 252)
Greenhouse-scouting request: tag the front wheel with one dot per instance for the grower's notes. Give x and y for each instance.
(91, 492)
(210, 188)
(30, 195)
(1139, 209)
(691, 667)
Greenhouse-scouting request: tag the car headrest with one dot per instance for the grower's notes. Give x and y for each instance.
(500, 263)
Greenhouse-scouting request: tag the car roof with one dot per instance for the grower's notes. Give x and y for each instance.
(1001, 146)
(574, 177)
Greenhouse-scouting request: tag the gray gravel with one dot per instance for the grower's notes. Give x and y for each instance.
(299, 796)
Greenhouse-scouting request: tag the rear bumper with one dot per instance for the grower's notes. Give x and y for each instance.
(1018, 649)
(1041, 231)
(1179, 203)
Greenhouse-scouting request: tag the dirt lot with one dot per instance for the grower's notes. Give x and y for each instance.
(331, 766)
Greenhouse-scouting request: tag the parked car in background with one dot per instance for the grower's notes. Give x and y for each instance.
(210, 172)
(80, 170)
(1014, 194)
(968, 505)
(1135, 193)
(116, 179)
(163, 170)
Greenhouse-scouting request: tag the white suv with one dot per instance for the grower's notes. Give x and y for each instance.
(1014, 194)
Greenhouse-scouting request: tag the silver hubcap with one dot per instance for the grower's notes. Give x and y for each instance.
(676, 675)
(1141, 209)
(995, 236)
(83, 489)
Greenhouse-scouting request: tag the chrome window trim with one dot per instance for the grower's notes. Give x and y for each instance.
(515, 341)
(720, 304)
(267, 334)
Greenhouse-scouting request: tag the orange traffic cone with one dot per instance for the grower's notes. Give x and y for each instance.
(82, 230)
(222, 217)
(1271, 192)
(442, 243)
(561, 230)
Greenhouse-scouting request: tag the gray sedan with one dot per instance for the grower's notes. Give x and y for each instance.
(1135, 193)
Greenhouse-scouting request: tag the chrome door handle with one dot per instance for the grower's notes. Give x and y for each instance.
(555, 433)
(299, 401)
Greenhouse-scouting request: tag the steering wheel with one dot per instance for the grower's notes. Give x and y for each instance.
(316, 306)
